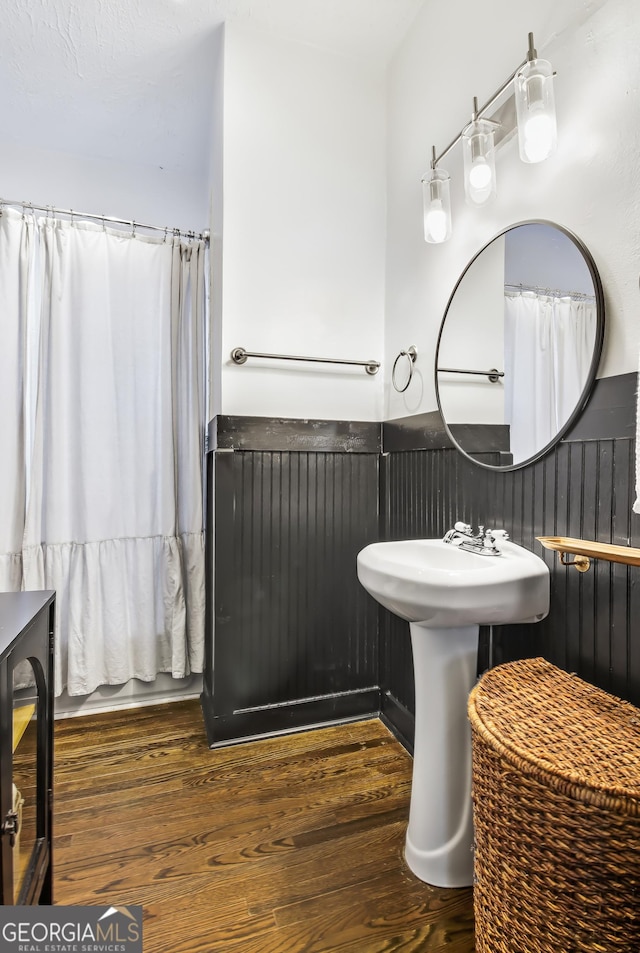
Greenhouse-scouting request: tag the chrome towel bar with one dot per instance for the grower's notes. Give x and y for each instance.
(494, 374)
(239, 356)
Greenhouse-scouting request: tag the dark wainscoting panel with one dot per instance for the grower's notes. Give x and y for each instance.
(296, 640)
(610, 412)
(583, 489)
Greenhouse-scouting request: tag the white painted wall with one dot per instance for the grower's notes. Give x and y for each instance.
(591, 185)
(304, 228)
(216, 228)
(145, 193)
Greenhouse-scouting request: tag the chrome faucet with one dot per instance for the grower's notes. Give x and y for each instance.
(460, 531)
(483, 543)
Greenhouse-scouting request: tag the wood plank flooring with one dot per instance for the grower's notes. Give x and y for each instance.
(287, 845)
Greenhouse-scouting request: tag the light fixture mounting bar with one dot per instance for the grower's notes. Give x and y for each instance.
(483, 109)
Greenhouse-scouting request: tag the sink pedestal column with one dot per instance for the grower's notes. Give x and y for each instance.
(439, 844)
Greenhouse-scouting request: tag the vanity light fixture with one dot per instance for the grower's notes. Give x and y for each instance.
(536, 119)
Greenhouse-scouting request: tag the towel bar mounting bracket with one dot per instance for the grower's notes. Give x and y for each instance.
(582, 563)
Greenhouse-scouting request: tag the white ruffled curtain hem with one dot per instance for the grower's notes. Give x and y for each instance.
(153, 587)
(10, 572)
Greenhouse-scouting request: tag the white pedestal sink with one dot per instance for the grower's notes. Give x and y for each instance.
(445, 594)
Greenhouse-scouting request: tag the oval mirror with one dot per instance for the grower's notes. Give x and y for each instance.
(519, 345)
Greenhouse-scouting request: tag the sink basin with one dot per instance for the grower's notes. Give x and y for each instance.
(446, 593)
(436, 583)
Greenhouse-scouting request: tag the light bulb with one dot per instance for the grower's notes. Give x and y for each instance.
(535, 108)
(435, 223)
(478, 152)
(436, 205)
(480, 174)
(538, 137)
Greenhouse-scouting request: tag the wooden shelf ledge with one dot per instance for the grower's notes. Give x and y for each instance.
(22, 715)
(585, 550)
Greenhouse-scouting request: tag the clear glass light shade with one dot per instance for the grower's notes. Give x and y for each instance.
(479, 162)
(536, 111)
(436, 201)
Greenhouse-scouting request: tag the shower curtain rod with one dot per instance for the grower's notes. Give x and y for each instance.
(552, 292)
(52, 210)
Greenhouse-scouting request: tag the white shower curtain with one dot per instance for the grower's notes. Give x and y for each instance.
(114, 517)
(548, 344)
(16, 245)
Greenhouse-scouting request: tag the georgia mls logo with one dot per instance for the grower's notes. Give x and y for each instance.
(70, 930)
(123, 910)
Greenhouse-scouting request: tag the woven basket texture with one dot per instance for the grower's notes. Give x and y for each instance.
(556, 801)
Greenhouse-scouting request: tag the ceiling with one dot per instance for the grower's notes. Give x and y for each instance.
(131, 80)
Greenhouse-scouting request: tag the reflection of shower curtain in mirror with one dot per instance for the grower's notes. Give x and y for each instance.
(548, 344)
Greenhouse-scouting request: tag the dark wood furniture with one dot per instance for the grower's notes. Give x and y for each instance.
(26, 746)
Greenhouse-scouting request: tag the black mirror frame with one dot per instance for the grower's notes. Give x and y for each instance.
(595, 360)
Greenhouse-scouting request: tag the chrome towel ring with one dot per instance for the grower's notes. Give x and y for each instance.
(411, 354)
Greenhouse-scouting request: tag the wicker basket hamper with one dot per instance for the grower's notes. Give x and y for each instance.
(556, 802)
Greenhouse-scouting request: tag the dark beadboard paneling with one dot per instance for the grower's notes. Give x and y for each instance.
(295, 633)
(209, 571)
(298, 641)
(582, 489)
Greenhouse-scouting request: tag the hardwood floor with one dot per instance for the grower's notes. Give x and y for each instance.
(284, 845)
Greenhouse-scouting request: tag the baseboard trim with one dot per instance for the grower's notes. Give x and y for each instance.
(398, 719)
(281, 719)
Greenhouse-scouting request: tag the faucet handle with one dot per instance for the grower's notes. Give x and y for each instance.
(461, 527)
(498, 533)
